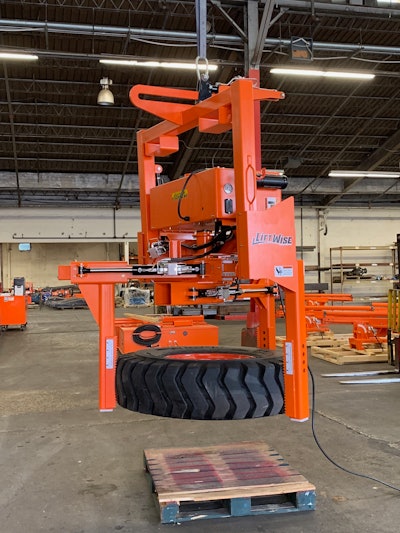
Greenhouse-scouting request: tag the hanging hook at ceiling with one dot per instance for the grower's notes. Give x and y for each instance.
(323, 224)
(204, 87)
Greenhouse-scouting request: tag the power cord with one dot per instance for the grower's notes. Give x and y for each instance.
(325, 453)
(181, 195)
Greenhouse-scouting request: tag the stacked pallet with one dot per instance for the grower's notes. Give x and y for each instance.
(335, 348)
(319, 338)
(343, 354)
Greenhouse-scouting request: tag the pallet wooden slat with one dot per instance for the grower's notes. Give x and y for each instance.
(223, 481)
(327, 338)
(335, 348)
(342, 355)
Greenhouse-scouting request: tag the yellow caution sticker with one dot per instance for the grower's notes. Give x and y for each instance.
(177, 195)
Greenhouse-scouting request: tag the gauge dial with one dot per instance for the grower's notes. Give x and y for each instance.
(228, 188)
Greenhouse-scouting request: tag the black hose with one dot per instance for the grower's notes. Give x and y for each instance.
(181, 195)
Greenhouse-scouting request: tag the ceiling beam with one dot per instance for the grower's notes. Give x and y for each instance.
(11, 25)
(334, 7)
(12, 130)
(228, 18)
(379, 156)
(371, 163)
(262, 33)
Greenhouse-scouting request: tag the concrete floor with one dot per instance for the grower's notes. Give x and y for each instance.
(65, 467)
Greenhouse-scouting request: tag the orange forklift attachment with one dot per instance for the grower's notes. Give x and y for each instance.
(213, 236)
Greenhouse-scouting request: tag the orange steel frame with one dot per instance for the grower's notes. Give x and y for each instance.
(259, 255)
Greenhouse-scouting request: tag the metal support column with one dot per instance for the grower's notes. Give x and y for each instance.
(201, 28)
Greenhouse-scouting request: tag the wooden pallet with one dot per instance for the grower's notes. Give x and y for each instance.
(328, 339)
(325, 338)
(344, 355)
(223, 481)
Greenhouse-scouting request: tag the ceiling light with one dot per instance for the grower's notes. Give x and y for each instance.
(6, 56)
(158, 64)
(323, 73)
(362, 174)
(105, 96)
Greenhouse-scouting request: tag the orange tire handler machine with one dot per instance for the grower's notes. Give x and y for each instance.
(220, 234)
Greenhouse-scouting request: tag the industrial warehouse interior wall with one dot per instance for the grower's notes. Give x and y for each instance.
(64, 235)
(336, 228)
(59, 236)
(54, 225)
(40, 264)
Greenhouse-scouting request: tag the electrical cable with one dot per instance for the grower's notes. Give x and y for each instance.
(376, 337)
(217, 246)
(193, 257)
(181, 195)
(282, 301)
(142, 340)
(219, 237)
(160, 43)
(348, 471)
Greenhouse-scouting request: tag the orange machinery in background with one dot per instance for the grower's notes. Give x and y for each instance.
(12, 311)
(370, 322)
(213, 236)
(13, 306)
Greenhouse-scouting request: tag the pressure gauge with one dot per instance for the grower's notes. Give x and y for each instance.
(228, 188)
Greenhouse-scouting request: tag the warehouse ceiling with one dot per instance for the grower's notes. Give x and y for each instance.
(59, 148)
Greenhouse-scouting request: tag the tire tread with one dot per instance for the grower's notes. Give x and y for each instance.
(222, 389)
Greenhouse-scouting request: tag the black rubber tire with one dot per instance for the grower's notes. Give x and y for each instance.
(218, 389)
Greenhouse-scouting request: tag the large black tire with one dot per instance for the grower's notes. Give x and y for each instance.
(201, 383)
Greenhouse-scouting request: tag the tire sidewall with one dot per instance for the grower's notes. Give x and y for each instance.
(249, 354)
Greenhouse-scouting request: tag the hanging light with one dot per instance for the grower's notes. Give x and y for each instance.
(175, 65)
(323, 73)
(363, 174)
(105, 96)
(11, 56)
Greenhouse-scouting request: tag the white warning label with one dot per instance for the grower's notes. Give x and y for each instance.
(281, 271)
(289, 358)
(109, 354)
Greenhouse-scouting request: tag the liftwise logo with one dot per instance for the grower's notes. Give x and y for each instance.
(272, 238)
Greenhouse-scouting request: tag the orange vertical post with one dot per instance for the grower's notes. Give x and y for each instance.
(295, 352)
(108, 348)
(146, 169)
(244, 150)
(265, 309)
(254, 74)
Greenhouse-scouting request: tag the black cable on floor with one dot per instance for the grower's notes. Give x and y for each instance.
(324, 452)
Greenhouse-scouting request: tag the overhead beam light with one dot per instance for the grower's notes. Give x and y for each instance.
(323, 73)
(158, 64)
(362, 174)
(8, 56)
